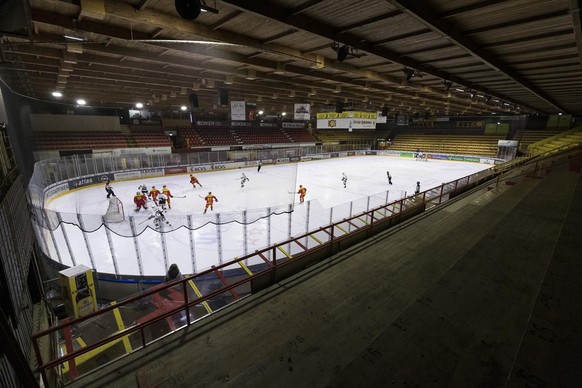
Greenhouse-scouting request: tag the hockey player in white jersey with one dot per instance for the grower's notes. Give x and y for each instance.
(344, 179)
(159, 218)
(243, 179)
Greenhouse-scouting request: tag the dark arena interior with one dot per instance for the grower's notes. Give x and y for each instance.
(469, 281)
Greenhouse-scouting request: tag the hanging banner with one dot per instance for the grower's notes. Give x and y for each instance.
(346, 123)
(238, 110)
(301, 112)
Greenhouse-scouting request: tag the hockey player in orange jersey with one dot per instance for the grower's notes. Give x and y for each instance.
(194, 181)
(166, 191)
(209, 201)
(154, 194)
(140, 201)
(302, 191)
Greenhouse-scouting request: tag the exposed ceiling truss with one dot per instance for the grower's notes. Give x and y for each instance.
(413, 57)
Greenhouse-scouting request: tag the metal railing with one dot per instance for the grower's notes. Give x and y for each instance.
(187, 299)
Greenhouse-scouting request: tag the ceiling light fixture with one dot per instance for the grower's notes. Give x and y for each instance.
(73, 37)
(57, 94)
(183, 107)
(447, 85)
(80, 101)
(409, 73)
(139, 105)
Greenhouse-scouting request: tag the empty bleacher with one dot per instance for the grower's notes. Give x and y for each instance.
(299, 135)
(223, 135)
(150, 136)
(77, 140)
(453, 143)
(249, 135)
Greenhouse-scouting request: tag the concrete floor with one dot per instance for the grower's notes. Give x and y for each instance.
(484, 292)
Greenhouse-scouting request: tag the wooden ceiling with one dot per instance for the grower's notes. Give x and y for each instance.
(412, 56)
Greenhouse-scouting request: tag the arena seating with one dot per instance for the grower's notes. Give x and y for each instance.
(331, 135)
(78, 140)
(248, 135)
(477, 144)
(527, 137)
(299, 135)
(149, 136)
(571, 137)
(223, 135)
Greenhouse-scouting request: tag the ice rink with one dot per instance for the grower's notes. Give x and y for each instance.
(240, 222)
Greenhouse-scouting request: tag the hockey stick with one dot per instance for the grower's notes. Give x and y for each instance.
(146, 220)
(179, 196)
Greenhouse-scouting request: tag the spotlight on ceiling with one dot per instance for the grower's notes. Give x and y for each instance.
(188, 9)
(447, 85)
(409, 73)
(80, 101)
(183, 107)
(57, 94)
(342, 52)
(283, 113)
(139, 105)
(261, 112)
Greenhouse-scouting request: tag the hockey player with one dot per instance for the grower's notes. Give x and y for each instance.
(344, 179)
(417, 190)
(109, 190)
(169, 195)
(140, 201)
(159, 218)
(143, 189)
(243, 179)
(162, 200)
(301, 191)
(193, 181)
(209, 201)
(259, 166)
(389, 177)
(154, 194)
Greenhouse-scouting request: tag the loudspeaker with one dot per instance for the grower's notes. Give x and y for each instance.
(385, 111)
(193, 101)
(339, 107)
(223, 96)
(343, 52)
(188, 9)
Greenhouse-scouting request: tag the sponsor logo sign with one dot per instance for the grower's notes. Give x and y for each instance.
(238, 110)
(352, 153)
(209, 123)
(152, 172)
(334, 155)
(75, 183)
(371, 153)
(293, 125)
(55, 190)
(240, 123)
(472, 159)
(270, 125)
(175, 170)
(198, 168)
(218, 166)
(282, 160)
(301, 111)
(127, 175)
(470, 124)
(440, 156)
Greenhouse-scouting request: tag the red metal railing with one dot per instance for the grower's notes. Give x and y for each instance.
(272, 258)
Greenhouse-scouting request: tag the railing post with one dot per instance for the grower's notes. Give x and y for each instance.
(185, 290)
(39, 360)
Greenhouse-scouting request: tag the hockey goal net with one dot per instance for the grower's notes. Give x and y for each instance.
(115, 211)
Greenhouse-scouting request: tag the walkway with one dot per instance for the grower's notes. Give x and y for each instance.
(483, 292)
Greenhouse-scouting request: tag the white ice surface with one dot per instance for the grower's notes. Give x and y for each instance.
(151, 252)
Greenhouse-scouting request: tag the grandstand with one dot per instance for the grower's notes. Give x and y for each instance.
(473, 281)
